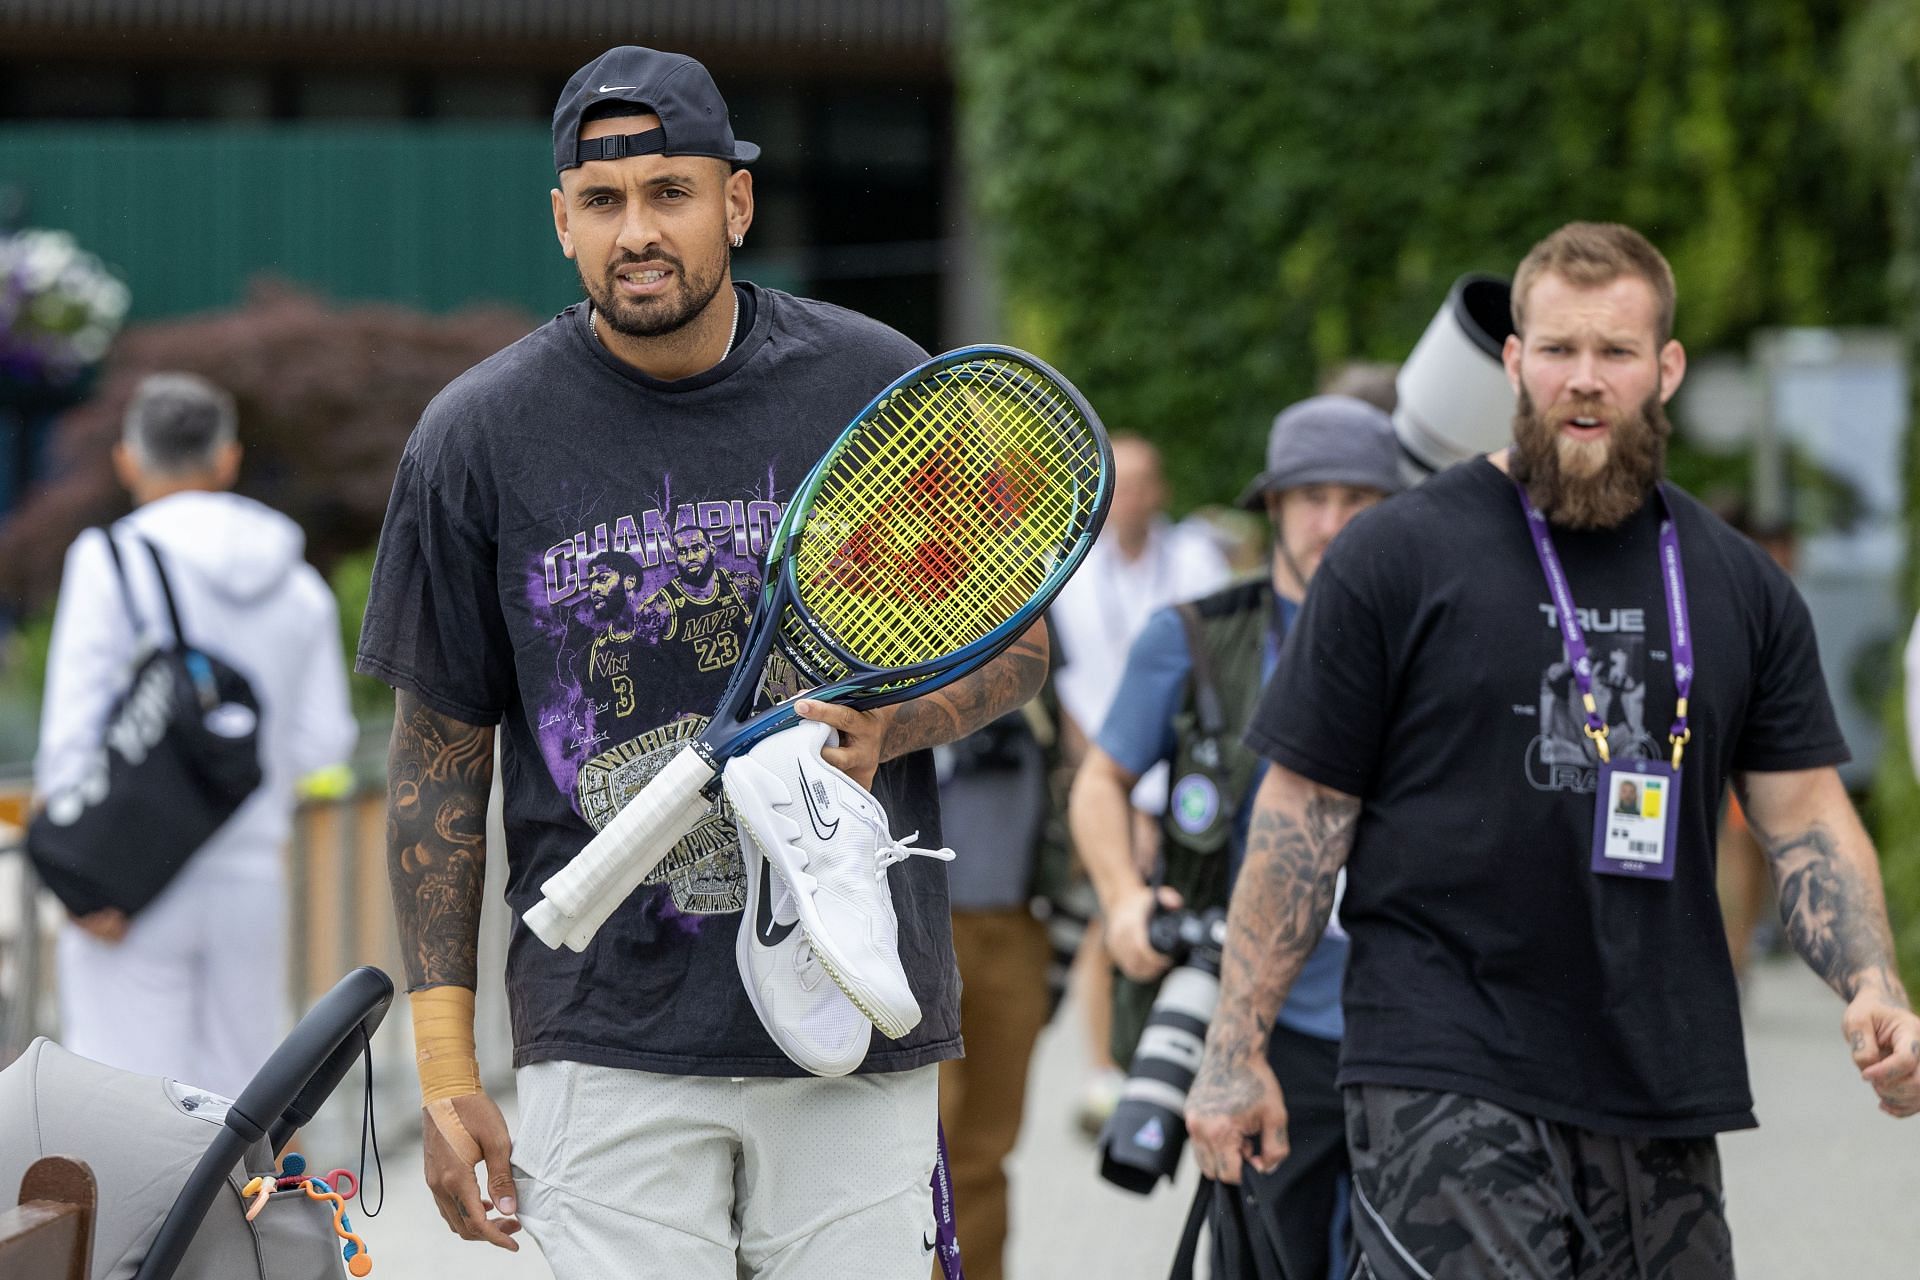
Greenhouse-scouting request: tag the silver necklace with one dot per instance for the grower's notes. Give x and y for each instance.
(733, 330)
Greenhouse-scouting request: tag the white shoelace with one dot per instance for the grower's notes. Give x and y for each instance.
(806, 964)
(900, 850)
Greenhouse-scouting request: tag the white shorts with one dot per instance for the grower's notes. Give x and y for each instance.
(628, 1173)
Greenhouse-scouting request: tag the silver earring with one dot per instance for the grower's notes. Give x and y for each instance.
(738, 241)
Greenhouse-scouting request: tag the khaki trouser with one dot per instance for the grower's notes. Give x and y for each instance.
(1003, 959)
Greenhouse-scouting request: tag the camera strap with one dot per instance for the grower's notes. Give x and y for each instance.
(1206, 692)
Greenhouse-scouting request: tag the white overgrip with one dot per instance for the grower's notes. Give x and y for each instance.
(581, 928)
(628, 841)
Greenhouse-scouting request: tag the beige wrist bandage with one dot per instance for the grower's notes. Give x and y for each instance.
(444, 1057)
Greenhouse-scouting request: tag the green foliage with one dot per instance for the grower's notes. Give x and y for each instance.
(352, 580)
(1881, 103)
(1201, 207)
(23, 675)
(1893, 811)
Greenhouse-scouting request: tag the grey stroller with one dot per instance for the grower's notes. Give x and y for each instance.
(170, 1160)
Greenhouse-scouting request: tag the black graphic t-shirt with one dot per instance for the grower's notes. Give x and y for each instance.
(1426, 676)
(573, 552)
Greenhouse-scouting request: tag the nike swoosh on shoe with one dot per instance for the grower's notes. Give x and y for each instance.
(825, 830)
(766, 931)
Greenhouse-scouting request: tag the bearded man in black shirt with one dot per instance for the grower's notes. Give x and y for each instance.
(1543, 1029)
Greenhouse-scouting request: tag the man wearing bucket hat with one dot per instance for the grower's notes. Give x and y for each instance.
(1542, 1026)
(1328, 459)
(572, 553)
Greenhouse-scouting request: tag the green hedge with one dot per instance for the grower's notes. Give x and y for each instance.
(1882, 105)
(1199, 208)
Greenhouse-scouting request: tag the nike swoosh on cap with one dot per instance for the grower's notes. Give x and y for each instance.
(766, 929)
(615, 88)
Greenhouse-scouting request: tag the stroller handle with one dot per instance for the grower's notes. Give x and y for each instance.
(281, 1097)
(304, 1071)
(290, 1088)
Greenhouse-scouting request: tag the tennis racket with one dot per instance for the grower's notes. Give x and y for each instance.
(941, 523)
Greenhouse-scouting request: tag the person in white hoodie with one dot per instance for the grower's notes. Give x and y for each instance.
(194, 986)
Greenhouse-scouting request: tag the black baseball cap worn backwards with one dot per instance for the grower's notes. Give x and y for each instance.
(693, 115)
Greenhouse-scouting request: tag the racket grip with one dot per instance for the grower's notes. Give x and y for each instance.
(628, 838)
(580, 929)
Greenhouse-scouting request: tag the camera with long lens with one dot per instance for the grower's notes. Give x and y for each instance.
(1142, 1140)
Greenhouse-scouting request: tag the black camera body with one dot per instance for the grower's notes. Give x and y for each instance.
(1144, 1137)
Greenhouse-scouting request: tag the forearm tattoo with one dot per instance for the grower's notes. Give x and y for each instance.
(1281, 904)
(439, 772)
(1834, 916)
(949, 714)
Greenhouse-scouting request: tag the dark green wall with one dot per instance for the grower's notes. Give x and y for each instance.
(430, 215)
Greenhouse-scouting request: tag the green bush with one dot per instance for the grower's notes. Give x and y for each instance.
(351, 579)
(23, 678)
(1199, 208)
(1881, 103)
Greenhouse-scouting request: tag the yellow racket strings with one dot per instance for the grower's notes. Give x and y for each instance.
(946, 512)
(948, 553)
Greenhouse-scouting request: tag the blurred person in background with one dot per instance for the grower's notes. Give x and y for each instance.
(1141, 562)
(1745, 885)
(995, 803)
(194, 987)
(1328, 459)
(1369, 380)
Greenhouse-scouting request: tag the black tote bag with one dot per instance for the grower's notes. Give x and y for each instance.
(178, 755)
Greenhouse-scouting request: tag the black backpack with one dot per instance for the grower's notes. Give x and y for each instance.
(178, 755)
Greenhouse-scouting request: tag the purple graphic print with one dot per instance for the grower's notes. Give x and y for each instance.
(644, 614)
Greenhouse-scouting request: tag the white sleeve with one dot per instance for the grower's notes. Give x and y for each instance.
(1912, 665)
(1201, 567)
(93, 642)
(324, 733)
(1077, 681)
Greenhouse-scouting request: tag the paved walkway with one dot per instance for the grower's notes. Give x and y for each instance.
(1825, 1188)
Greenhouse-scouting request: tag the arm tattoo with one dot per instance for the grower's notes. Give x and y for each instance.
(1832, 916)
(439, 772)
(949, 714)
(1281, 904)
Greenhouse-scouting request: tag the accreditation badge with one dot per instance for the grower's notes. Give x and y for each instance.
(1636, 819)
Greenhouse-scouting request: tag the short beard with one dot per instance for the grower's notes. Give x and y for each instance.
(658, 317)
(1590, 484)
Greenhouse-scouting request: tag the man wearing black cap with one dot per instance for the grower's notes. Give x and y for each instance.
(664, 420)
(1328, 459)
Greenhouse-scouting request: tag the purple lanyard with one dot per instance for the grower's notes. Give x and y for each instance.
(945, 1239)
(1576, 641)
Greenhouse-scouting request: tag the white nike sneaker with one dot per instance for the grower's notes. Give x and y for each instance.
(809, 1017)
(827, 836)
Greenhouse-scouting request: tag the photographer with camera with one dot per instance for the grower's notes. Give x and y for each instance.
(1191, 682)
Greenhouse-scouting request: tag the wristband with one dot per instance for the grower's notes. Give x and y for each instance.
(443, 1042)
